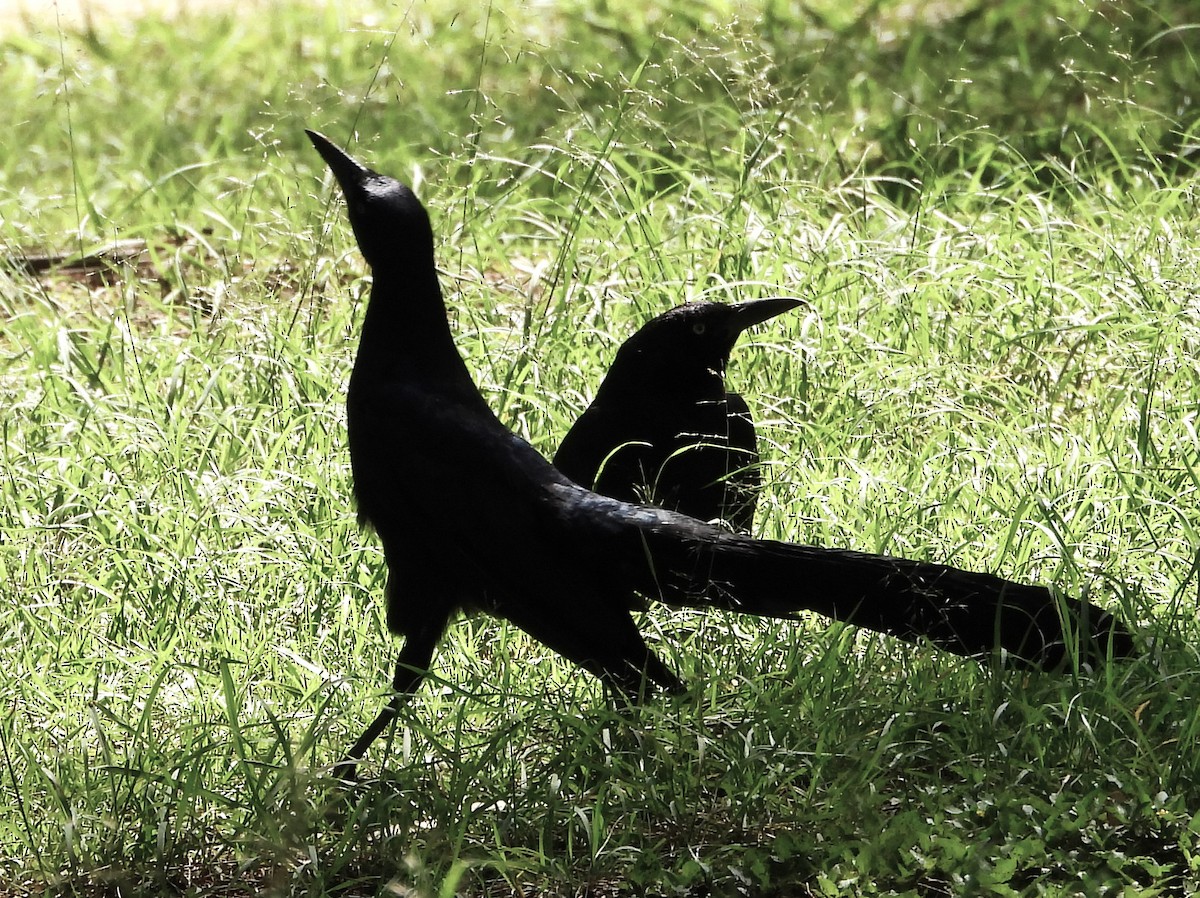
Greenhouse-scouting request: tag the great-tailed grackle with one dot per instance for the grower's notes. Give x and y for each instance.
(663, 429)
(471, 517)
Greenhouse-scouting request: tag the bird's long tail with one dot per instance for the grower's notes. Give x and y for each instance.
(966, 613)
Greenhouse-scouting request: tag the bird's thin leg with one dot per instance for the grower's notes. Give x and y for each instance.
(411, 666)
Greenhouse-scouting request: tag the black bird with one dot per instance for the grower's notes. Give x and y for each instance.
(472, 518)
(663, 429)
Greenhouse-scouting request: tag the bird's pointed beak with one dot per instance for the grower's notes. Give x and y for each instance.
(756, 311)
(349, 173)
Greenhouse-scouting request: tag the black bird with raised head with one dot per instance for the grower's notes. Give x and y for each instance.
(472, 518)
(663, 429)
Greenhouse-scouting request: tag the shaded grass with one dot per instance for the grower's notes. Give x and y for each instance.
(998, 369)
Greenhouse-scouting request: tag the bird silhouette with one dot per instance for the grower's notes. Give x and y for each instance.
(663, 429)
(472, 518)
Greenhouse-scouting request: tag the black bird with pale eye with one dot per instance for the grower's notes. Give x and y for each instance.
(472, 518)
(663, 429)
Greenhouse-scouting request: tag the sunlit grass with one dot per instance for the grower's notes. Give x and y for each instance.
(997, 368)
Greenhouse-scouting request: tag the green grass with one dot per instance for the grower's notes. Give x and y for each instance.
(992, 213)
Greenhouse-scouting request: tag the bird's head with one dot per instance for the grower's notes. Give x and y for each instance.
(700, 333)
(390, 224)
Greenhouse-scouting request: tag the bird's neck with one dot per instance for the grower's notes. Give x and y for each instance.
(406, 336)
(700, 384)
(715, 378)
